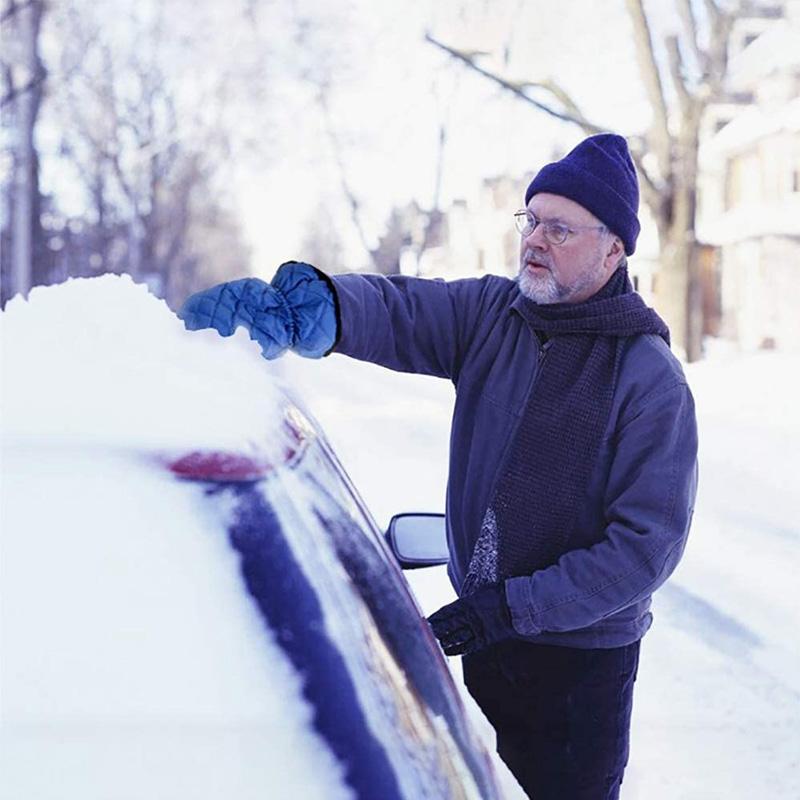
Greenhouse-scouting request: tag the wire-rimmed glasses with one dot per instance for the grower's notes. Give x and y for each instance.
(554, 231)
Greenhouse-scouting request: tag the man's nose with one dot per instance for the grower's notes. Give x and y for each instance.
(536, 238)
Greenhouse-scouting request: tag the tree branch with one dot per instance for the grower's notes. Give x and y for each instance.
(721, 24)
(352, 200)
(16, 91)
(713, 12)
(686, 13)
(14, 7)
(566, 100)
(653, 196)
(518, 89)
(685, 99)
(653, 86)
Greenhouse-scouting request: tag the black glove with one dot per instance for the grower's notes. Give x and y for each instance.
(473, 622)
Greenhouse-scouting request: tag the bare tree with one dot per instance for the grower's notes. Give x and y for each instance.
(119, 131)
(666, 155)
(23, 76)
(147, 176)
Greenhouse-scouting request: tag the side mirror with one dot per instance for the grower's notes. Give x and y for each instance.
(418, 540)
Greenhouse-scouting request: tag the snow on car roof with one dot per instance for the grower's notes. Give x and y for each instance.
(102, 360)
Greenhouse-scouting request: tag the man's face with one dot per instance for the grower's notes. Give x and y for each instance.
(573, 271)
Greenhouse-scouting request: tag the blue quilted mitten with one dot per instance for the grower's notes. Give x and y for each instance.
(296, 312)
(311, 297)
(248, 302)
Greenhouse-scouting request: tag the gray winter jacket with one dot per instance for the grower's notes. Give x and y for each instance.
(638, 508)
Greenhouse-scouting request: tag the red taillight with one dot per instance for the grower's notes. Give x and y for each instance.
(214, 465)
(221, 466)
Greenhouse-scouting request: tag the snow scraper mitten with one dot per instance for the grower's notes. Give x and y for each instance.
(297, 310)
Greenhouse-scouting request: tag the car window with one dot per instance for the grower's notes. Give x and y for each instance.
(316, 565)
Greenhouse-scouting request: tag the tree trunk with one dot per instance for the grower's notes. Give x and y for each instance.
(671, 286)
(679, 297)
(27, 19)
(678, 290)
(695, 322)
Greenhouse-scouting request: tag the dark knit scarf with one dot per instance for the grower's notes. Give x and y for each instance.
(543, 479)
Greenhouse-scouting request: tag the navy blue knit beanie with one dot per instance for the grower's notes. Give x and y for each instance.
(599, 175)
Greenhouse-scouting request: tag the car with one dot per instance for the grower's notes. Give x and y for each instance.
(219, 620)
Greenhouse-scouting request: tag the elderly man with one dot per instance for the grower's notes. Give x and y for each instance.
(573, 459)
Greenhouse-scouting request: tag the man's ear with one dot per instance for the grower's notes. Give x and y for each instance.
(614, 253)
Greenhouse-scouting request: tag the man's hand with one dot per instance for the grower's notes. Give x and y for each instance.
(248, 302)
(473, 622)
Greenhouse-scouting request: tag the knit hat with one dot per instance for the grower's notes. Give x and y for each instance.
(599, 175)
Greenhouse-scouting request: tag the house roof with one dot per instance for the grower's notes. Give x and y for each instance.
(777, 49)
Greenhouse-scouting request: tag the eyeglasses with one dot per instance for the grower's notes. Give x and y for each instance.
(554, 232)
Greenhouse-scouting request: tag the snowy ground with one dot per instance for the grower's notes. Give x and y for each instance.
(717, 703)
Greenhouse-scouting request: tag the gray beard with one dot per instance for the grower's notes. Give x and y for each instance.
(546, 290)
(542, 290)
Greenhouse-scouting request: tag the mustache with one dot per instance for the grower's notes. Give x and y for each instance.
(530, 257)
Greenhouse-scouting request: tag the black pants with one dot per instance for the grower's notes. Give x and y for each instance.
(562, 715)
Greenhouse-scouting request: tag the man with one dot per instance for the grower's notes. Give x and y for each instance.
(573, 463)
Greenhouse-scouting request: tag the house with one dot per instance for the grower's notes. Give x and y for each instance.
(459, 242)
(749, 185)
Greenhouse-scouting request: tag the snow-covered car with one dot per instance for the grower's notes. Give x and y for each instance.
(195, 600)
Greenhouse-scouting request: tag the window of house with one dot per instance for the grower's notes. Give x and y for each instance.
(744, 181)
